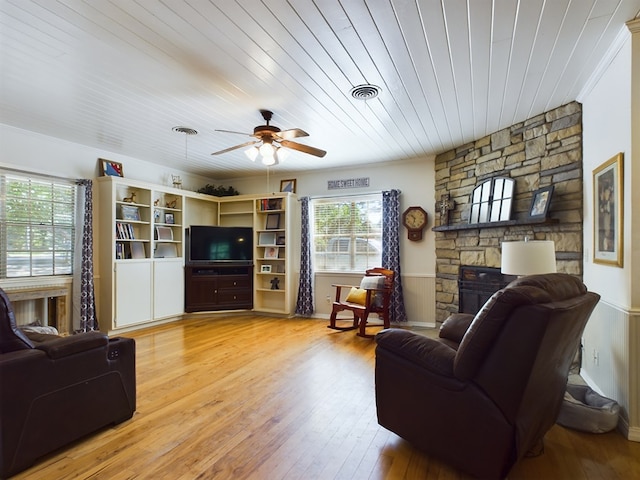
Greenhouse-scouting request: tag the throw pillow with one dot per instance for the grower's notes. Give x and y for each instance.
(374, 282)
(357, 295)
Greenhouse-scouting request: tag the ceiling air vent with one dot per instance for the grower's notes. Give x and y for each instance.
(365, 92)
(185, 130)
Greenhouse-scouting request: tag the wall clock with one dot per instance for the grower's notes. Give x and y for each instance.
(414, 219)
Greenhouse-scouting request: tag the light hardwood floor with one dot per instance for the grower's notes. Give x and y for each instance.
(248, 397)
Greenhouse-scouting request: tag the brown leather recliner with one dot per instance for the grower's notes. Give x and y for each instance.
(487, 391)
(54, 390)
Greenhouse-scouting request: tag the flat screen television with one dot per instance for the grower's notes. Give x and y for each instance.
(215, 244)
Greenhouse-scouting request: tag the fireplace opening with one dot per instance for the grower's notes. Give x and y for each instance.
(477, 284)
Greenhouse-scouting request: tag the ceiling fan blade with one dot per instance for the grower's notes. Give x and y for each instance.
(246, 144)
(303, 148)
(292, 133)
(231, 131)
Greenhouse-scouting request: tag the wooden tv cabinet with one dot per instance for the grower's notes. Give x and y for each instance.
(218, 287)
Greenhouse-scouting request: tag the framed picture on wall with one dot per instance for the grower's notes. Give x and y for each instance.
(112, 169)
(608, 211)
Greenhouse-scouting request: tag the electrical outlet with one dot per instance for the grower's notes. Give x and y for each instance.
(596, 357)
(328, 299)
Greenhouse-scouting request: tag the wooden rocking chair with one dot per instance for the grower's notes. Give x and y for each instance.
(372, 296)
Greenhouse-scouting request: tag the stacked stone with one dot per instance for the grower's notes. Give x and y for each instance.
(541, 151)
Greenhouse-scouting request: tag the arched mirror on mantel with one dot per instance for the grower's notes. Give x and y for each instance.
(492, 200)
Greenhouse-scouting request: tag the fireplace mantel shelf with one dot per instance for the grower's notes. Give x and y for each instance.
(507, 223)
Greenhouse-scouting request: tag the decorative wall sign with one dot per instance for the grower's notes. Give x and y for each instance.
(348, 183)
(608, 208)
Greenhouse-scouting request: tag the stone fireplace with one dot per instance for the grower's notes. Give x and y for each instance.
(541, 151)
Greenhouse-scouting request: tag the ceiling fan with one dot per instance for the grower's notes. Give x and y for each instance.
(269, 141)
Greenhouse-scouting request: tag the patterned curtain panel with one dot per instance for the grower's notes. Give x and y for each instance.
(84, 302)
(304, 305)
(391, 250)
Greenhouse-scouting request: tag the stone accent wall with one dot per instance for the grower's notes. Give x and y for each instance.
(541, 151)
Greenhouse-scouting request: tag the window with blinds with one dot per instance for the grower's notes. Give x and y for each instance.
(37, 217)
(347, 233)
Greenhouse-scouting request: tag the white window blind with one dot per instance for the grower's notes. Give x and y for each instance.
(347, 233)
(37, 217)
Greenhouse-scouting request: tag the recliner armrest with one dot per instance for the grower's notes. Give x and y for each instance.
(455, 326)
(423, 351)
(60, 347)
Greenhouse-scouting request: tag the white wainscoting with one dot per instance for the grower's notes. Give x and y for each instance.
(611, 361)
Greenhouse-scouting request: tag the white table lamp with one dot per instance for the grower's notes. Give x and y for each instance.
(528, 257)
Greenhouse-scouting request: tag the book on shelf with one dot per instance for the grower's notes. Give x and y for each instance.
(270, 204)
(124, 231)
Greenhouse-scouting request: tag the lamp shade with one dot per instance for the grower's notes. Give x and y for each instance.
(528, 257)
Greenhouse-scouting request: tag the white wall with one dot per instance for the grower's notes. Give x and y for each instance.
(25, 150)
(416, 180)
(610, 362)
(607, 131)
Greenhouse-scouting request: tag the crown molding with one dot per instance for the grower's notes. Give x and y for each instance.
(634, 25)
(607, 59)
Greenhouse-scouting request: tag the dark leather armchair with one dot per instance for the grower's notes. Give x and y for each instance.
(54, 390)
(484, 394)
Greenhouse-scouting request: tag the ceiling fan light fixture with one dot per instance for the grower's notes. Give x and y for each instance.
(267, 150)
(269, 161)
(252, 153)
(282, 153)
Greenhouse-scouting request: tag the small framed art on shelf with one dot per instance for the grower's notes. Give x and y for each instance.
(273, 221)
(266, 238)
(130, 213)
(540, 202)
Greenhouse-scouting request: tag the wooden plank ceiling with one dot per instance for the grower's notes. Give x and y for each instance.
(119, 74)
